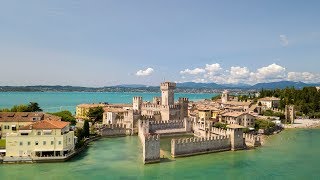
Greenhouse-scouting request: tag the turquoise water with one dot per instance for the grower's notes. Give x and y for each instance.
(56, 101)
(294, 154)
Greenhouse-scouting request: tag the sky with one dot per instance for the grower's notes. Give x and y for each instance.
(109, 42)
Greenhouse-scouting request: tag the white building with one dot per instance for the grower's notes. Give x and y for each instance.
(269, 102)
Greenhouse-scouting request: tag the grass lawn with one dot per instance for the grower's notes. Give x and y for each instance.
(2, 143)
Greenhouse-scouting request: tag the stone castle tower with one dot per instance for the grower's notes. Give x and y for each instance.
(137, 103)
(225, 96)
(290, 113)
(167, 93)
(183, 103)
(236, 137)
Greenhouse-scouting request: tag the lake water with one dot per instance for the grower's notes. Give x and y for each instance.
(56, 101)
(293, 154)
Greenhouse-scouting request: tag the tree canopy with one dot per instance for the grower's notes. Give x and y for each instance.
(31, 107)
(306, 100)
(95, 114)
(66, 116)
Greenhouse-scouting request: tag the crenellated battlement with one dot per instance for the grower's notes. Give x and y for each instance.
(115, 126)
(183, 99)
(252, 140)
(167, 122)
(193, 146)
(137, 98)
(200, 139)
(175, 106)
(168, 85)
(150, 105)
(219, 131)
(150, 137)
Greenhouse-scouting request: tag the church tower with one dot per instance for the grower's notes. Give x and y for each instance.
(167, 93)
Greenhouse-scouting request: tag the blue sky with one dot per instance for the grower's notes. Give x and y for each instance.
(101, 43)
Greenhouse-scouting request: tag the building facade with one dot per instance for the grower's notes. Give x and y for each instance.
(41, 139)
(11, 122)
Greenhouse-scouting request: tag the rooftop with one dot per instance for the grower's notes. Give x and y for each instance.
(46, 124)
(26, 116)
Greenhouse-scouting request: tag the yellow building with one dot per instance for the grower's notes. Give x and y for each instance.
(83, 109)
(10, 122)
(204, 114)
(45, 138)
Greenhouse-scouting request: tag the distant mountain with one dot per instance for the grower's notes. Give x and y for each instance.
(283, 84)
(186, 87)
(240, 85)
(130, 85)
(199, 85)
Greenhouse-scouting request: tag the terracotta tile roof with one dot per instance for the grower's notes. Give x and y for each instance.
(25, 116)
(46, 124)
(233, 114)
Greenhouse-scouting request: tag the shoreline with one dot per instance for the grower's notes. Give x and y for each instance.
(304, 124)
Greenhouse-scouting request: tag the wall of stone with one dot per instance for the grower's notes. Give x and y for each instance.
(151, 149)
(194, 146)
(252, 140)
(114, 130)
(150, 143)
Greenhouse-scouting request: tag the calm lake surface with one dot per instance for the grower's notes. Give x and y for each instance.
(56, 101)
(293, 154)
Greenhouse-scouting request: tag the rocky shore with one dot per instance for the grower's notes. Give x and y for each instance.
(304, 123)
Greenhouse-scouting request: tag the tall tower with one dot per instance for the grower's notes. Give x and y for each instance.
(167, 93)
(290, 113)
(137, 103)
(225, 96)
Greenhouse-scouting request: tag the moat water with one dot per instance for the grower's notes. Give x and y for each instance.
(293, 154)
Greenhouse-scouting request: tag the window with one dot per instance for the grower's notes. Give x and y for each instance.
(59, 142)
(39, 133)
(44, 143)
(36, 143)
(51, 142)
(29, 143)
(21, 143)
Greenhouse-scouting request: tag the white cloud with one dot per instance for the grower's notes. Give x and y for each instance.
(284, 40)
(303, 76)
(200, 80)
(269, 73)
(146, 72)
(239, 72)
(193, 71)
(213, 68)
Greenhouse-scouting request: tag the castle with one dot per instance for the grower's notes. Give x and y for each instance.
(165, 117)
(160, 109)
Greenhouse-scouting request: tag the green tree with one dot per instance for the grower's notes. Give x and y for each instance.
(220, 125)
(86, 129)
(20, 108)
(34, 107)
(95, 114)
(66, 116)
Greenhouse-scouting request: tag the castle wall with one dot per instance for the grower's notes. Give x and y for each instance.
(150, 143)
(114, 130)
(194, 146)
(151, 149)
(252, 140)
